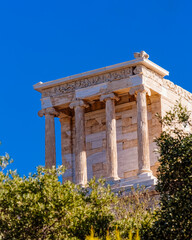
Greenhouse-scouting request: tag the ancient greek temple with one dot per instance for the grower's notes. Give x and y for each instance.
(108, 121)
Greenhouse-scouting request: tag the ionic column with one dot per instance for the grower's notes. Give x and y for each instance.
(142, 128)
(80, 143)
(67, 145)
(111, 142)
(50, 153)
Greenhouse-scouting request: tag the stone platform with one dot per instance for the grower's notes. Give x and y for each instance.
(126, 184)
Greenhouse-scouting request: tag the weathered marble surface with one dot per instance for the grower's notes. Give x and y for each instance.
(101, 136)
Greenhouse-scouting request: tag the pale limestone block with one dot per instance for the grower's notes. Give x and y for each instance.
(127, 136)
(95, 114)
(121, 84)
(149, 116)
(91, 91)
(127, 160)
(125, 106)
(99, 174)
(46, 102)
(129, 174)
(88, 146)
(125, 84)
(98, 157)
(126, 121)
(127, 152)
(89, 169)
(104, 143)
(97, 167)
(119, 147)
(135, 80)
(68, 173)
(129, 128)
(129, 113)
(164, 91)
(91, 122)
(155, 99)
(130, 144)
(97, 144)
(153, 154)
(64, 99)
(155, 121)
(134, 120)
(96, 136)
(130, 155)
(68, 157)
(98, 128)
(118, 123)
(93, 151)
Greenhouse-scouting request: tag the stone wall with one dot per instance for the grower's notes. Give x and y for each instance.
(126, 122)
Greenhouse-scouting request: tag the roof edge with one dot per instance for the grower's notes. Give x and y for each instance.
(141, 60)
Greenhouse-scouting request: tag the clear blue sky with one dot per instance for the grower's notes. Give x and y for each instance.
(46, 40)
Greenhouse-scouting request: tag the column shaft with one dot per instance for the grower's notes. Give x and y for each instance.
(111, 151)
(50, 153)
(111, 139)
(80, 143)
(142, 133)
(80, 147)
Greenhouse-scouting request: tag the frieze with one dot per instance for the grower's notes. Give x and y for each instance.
(113, 76)
(165, 83)
(87, 82)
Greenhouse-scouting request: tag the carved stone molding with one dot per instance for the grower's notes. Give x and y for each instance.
(79, 103)
(114, 76)
(163, 82)
(109, 96)
(48, 111)
(142, 54)
(87, 82)
(140, 88)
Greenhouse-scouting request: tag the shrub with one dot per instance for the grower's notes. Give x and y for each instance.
(175, 177)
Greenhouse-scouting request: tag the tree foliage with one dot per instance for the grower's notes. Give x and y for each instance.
(175, 176)
(40, 207)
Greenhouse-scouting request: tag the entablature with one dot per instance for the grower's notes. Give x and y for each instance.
(119, 79)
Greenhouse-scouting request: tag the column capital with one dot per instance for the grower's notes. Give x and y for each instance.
(79, 103)
(48, 111)
(140, 88)
(105, 97)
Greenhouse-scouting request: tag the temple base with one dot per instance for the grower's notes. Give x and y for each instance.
(125, 185)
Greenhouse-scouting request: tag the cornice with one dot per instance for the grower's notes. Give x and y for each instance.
(97, 72)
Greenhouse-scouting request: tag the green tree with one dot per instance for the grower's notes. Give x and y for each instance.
(40, 207)
(175, 176)
(134, 212)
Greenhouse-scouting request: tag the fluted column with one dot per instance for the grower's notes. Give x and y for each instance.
(67, 146)
(80, 143)
(50, 153)
(142, 128)
(111, 142)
